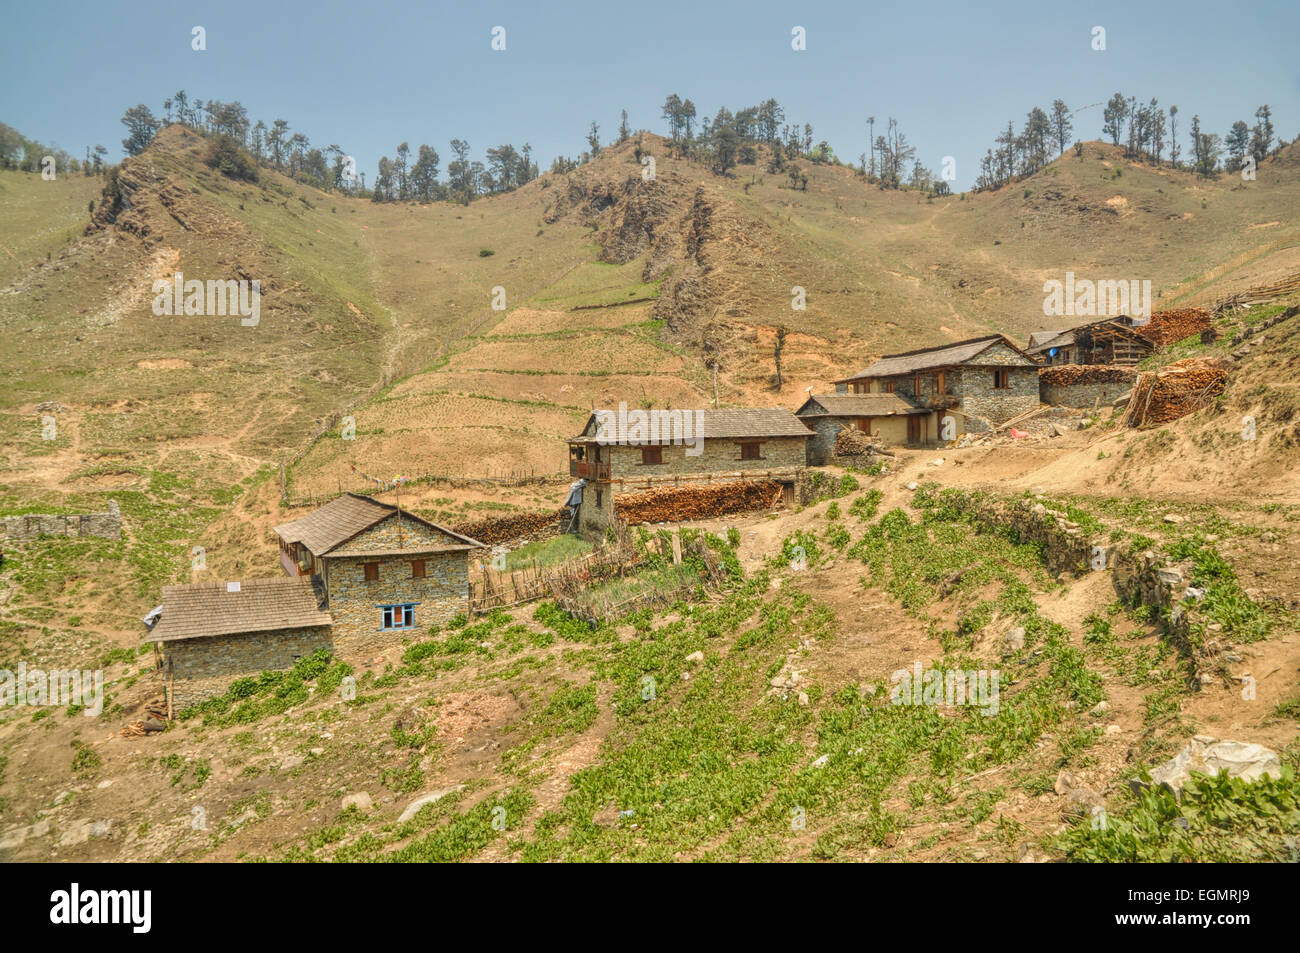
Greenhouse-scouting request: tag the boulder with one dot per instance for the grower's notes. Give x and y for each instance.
(361, 799)
(1206, 755)
(1014, 640)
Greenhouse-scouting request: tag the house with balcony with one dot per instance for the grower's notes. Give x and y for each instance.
(970, 385)
(621, 451)
(359, 577)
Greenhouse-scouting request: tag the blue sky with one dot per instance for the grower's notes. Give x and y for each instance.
(368, 76)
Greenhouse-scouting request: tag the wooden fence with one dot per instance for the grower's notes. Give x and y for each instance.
(574, 585)
(501, 589)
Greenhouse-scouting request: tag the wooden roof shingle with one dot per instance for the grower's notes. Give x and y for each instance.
(733, 422)
(256, 605)
(945, 355)
(342, 518)
(858, 405)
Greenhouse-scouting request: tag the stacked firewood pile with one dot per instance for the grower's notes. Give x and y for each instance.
(1166, 327)
(1059, 375)
(503, 529)
(155, 720)
(851, 442)
(674, 504)
(1174, 391)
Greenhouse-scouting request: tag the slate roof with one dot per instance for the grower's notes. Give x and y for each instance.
(209, 609)
(858, 405)
(343, 517)
(945, 355)
(715, 423)
(1048, 339)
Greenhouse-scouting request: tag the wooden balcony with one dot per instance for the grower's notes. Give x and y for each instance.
(589, 470)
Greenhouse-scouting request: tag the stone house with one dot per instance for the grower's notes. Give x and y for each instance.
(360, 575)
(970, 384)
(626, 450)
(891, 418)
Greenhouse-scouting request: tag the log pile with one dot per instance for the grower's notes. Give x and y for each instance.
(675, 504)
(504, 529)
(155, 720)
(1166, 327)
(1060, 375)
(1174, 391)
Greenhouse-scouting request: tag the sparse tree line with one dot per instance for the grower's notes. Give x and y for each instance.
(1144, 130)
(729, 139)
(401, 180)
(240, 146)
(19, 152)
(889, 167)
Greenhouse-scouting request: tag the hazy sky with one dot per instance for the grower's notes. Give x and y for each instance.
(370, 75)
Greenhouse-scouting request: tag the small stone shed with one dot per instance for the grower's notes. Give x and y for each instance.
(891, 418)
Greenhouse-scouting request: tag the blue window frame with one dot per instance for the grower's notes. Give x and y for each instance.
(401, 616)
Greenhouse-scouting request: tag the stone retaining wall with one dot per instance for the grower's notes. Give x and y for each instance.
(104, 525)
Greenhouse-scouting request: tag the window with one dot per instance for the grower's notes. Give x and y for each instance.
(749, 451)
(1001, 379)
(372, 572)
(939, 381)
(417, 569)
(399, 617)
(600, 500)
(651, 455)
(887, 387)
(916, 385)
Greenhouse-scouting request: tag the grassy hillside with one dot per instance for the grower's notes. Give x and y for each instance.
(614, 290)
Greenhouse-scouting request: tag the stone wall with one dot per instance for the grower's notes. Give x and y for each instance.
(199, 669)
(980, 398)
(105, 525)
(890, 431)
(356, 605)
(1140, 578)
(1085, 396)
(597, 511)
(822, 445)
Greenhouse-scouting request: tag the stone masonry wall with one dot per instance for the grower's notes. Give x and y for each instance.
(106, 525)
(981, 399)
(356, 604)
(204, 668)
(822, 445)
(1085, 396)
(720, 454)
